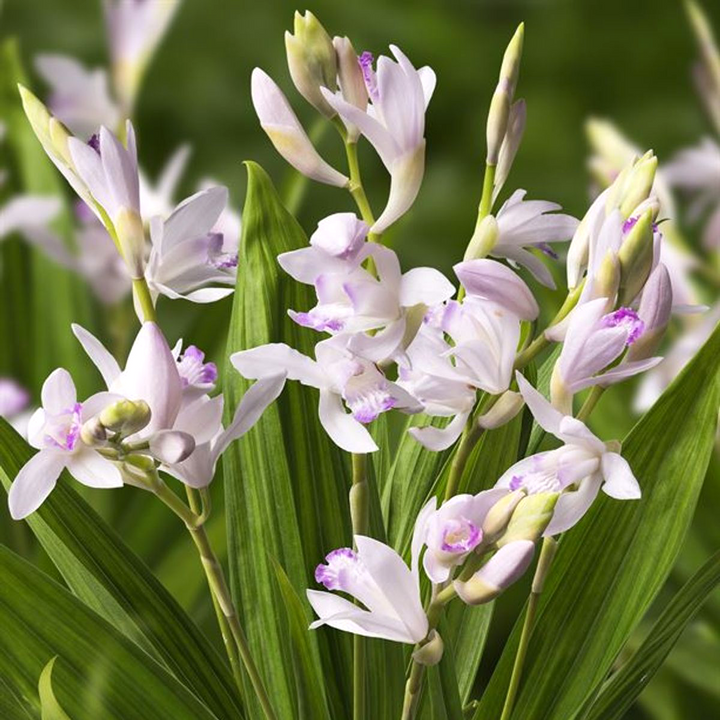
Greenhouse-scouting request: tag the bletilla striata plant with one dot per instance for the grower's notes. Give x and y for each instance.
(458, 356)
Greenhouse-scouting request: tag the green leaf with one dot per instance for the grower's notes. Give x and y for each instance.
(113, 581)
(286, 483)
(624, 686)
(312, 703)
(102, 674)
(611, 566)
(51, 709)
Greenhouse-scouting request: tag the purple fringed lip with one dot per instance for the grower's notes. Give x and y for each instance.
(64, 431)
(460, 535)
(628, 318)
(366, 61)
(194, 370)
(338, 561)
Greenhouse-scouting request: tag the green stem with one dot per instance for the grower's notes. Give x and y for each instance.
(142, 296)
(412, 691)
(590, 402)
(471, 435)
(218, 586)
(357, 190)
(546, 557)
(360, 516)
(487, 193)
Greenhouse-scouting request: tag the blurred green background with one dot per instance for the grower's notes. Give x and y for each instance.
(628, 60)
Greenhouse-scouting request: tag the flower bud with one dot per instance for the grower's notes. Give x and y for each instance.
(510, 68)
(655, 309)
(531, 517)
(131, 236)
(312, 61)
(483, 240)
(511, 143)
(93, 432)
(431, 652)
(59, 137)
(125, 416)
(350, 77)
(503, 411)
(139, 471)
(497, 519)
(172, 446)
(636, 258)
(639, 184)
(497, 122)
(504, 568)
(607, 279)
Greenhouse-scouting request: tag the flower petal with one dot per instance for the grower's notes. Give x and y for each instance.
(93, 470)
(572, 505)
(277, 359)
(440, 438)
(346, 432)
(34, 482)
(620, 483)
(58, 392)
(425, 286)
(98, 353)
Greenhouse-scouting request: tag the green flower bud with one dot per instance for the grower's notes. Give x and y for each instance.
(483, 240)
(607, 279)
(431, 652)
(498, 517)
(510, 68)
(639, 184)
(312, 61)
(125, 416)
(131, 237)
(497, 122)
(531, 517)
(636, 258)
(139, 471)
(93, 432)
(503, 411)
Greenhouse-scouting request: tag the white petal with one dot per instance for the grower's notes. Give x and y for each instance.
(440, 439)
(425, 285)
(420, 531)
(97, 352)
(34, 482)
(93, 470)
(58, 392)
(571, 506)
(195, 216)
(620, 483)
(544, 413)
(346, 432)
(202, 418)
(278, 359)
(172, 446)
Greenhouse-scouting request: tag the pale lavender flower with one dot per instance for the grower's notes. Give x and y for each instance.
(531, 223)
(158, 198)
(286, 133)
(188, 254)
(452, 531)
(577, 470)
(394, 125)
(80, 98)
(14, 398)
(341, 377)
(378, 578)
(55, 430)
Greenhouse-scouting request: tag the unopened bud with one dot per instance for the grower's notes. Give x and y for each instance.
(172, 446)
(93, 432)
(139, 471)
(607, 279)
(37, 114)
(510, 68)
(59, 137)
(560, 395)
(483, 240)
(431, 652)
(131, 236)
(639, 184)
(497, 122)
(655, 310)
(532, 515)
(125, 416)
(504, 568)
(503, 411)
(636, 258)
(350, 77)
(511, 143)
(498, 517)
(311, 60)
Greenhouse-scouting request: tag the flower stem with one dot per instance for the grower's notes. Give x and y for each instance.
(590, 402)
(471, 435)
(487, 193)
(218, 587)
(357, 190)
(360, 515)
(547, 554)
(412, 691)
(143, 300)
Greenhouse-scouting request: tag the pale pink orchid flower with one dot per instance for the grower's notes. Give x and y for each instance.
(54, 429)
(577, 470)
(394, 124)
(286, 133)
(341, 377)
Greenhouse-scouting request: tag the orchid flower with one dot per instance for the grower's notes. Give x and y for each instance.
(531, 223)
(577, 470)
(351, 300)
(697, 171)
(394, 124)
(341, 377)
(378, 578)
(135, 29)
(55, 430)
(595, 340)
(14, 404)
(110, 172)
(158, 198)
(29, 215)
(80, 98)
(187, 254)
(452, 531)
(286, 133)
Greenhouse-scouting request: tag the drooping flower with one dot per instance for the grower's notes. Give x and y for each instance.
(531, 223)
(80, 98)
(286, 133)
(595, 340)
(54, 429)
(376, 576)
(577, 470)
(341, 377)
(395, 125)
(452, 531)
(187, 254)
